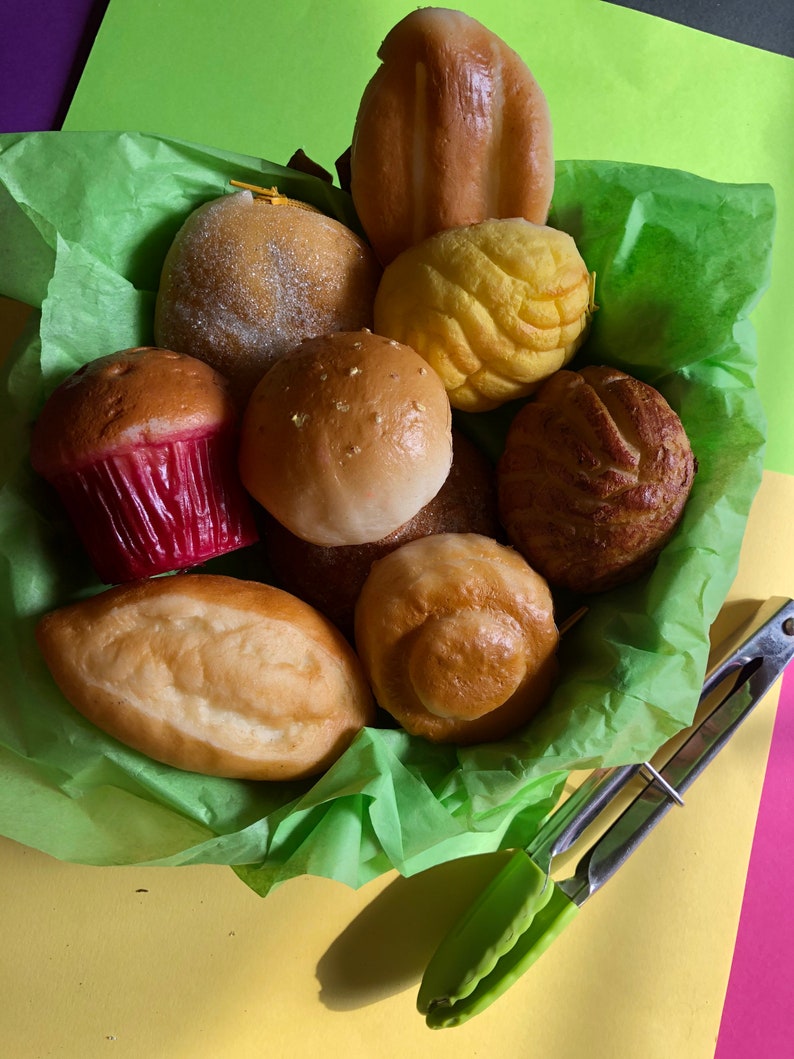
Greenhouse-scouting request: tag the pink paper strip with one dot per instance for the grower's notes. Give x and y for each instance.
(758, 1015)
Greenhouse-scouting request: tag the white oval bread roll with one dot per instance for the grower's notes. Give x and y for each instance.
(211, 674)
(456, 634)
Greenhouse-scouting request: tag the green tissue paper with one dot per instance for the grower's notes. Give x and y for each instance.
(86, 220)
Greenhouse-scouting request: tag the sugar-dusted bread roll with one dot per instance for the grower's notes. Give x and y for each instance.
(331, 578)
(452, 129)
(210, 674)
(494, 307)
(346, 438)
(457, 636)
(594, 477)
(248, 277)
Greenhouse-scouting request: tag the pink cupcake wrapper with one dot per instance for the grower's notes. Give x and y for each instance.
(159, 508)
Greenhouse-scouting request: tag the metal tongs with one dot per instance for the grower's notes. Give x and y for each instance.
(523, 909)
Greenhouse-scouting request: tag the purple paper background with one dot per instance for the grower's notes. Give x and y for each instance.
(43, 47)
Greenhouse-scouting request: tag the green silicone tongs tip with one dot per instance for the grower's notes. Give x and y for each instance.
(507, 928)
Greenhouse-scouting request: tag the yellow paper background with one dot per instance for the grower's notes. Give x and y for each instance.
(188, 962)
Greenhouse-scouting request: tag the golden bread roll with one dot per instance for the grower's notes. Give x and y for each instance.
(594, 477)
(331, 578)
(246, 279)
(457, 636)
(141, 446)
(346, 438)
(210, 674)
(451, 130)
(494, 308)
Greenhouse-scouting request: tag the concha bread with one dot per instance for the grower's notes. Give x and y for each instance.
(451, 130)
(494, 307)
(594, 477)
(210, 674)
(456, 634)
(346, 438)
(246, 279)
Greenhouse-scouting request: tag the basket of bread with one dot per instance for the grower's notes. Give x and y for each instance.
(341, 523)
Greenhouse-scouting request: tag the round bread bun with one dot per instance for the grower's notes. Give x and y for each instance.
(247, 278)
(451, 130)
(593, 478)
(211, 674)
(456, 634)
(331, 578)
(346, 438)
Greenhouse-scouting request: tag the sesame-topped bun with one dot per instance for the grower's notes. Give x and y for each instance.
(346, 438)
(249, 277)
(331, 578)
(141, 447)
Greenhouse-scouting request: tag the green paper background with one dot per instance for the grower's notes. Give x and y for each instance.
(264, 78)
(675, 302)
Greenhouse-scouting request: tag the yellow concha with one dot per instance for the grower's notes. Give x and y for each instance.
(494, 307)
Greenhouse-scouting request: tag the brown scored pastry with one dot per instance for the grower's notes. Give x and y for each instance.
(331, 578)
(451, 130)
(211, 674)
(594, 477)
(247, 278)
(456, 633)
(141, 446)
(346, 438)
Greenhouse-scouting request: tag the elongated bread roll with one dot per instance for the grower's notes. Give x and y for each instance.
(451, 130)
(210, 674)
(457, 636)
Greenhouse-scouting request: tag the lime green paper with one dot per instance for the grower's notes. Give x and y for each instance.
(674, 300)
(620, 84)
